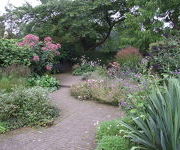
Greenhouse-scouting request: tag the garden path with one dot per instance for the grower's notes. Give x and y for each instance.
(75, 129)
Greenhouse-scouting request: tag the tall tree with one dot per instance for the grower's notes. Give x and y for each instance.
(2, 26)
(87, 23)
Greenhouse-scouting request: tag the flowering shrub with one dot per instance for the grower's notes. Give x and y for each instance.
(43, 52)
(99, 90)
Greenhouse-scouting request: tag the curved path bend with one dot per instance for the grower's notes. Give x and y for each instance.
(75, 129)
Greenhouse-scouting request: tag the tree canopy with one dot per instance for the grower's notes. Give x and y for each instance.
(87, 24)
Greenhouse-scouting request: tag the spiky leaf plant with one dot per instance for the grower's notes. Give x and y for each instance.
(161, 129)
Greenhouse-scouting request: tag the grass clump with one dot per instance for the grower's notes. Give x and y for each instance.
(8, 83)
(103, 91)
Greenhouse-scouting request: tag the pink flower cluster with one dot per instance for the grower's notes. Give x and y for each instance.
(29, 40)
(48, 67)
(47, 39)
(51, 46)
(36, 58)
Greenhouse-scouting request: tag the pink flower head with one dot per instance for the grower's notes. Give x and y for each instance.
(59, 45)
(48, 67)
(35, 58)
(57, 53)
(31, 37)
(44, 48)
(30, 40)
(51, 46)
(48, 39)
(21, 44)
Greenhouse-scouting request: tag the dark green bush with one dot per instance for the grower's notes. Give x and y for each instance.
(165, 55)
(10, 53)
(26, 107)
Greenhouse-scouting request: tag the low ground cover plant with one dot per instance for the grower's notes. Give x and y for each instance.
(46, 81)
(110, 135)
(113, 143)
(103, 91)
(26, 107)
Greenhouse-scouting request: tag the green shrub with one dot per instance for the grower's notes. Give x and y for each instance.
(3, 127)
(160, 129)
(26, 107)
(10, 53)
(44, 81)
(165, 56)
(113, 143)
(83, 69)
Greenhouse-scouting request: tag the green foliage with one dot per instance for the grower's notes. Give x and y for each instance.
(83, 69)
(111, 128)
(46, 81)
(2, 27)
(3, 127)
(159, 130)
(8, 83)
(165, 55)
(26, 107)
(10, 53)
(113, 143)
(140, 27)
(172, 9)
(110, 135)
(82, 24)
